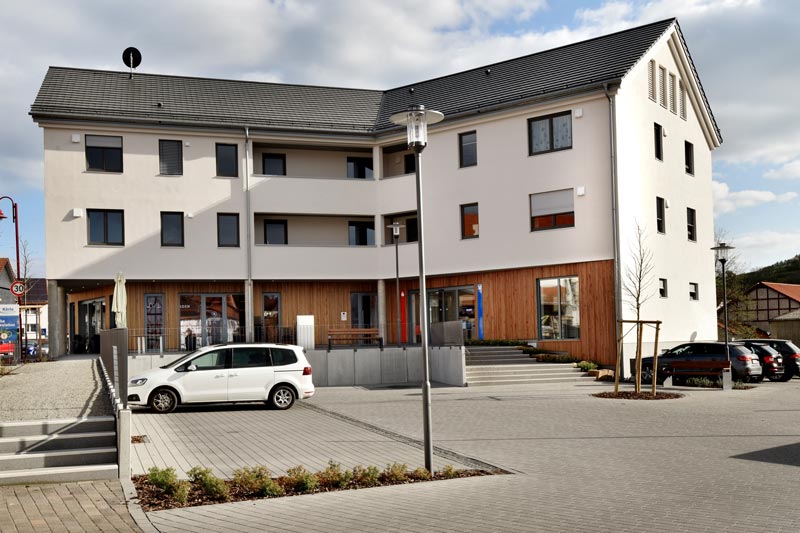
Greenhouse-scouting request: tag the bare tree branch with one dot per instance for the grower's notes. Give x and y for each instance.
(637, 279)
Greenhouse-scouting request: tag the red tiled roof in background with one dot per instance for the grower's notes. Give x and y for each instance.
(787, 289)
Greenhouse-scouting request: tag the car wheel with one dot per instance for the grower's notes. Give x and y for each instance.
(647, 375)
(787, 376)
(757, 379)
(282, 397)
(775, 377)
(163, 401)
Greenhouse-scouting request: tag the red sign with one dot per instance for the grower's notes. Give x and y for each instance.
(18, 288)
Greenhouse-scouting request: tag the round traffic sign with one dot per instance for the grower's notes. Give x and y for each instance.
(18, 288)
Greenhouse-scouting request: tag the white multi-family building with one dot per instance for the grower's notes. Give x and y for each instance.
(232, 207)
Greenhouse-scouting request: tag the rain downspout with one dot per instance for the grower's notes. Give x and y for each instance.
(612, 130)
(248, 285)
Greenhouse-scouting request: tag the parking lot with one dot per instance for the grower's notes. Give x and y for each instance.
(711, 461)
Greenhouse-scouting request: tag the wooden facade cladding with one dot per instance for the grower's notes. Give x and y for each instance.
(509, 303)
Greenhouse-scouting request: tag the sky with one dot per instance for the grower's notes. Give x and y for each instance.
(745, 52)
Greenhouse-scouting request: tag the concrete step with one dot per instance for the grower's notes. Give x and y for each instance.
(27, 428)
(79, 457)
(61, 474)
(524, 365)
(499, 358)
(527, 381)
(500, 373)
(493, 350)
(42, 443)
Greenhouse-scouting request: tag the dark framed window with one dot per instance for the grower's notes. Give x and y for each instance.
(691, 224)
(550, 133)
(361, 233)
(662, 287)
(694, 291)
(106, 226)
(559, 307)
(467, 149)
(661, 215)
(275, 164)
(171, 228)
(409, 164)
(250, 357)
(275, 232)
(551, 210)
(469, 221)
(227, 160)
(412, 230)
(104, 153)
(688, 157)
(154, 321)
(658, 140)
(170, 157)
(359, 168)
(228, 230)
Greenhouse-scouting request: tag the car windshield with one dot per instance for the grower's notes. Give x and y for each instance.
(181, 360)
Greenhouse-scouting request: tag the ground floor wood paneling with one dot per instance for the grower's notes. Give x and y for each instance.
(508, 298)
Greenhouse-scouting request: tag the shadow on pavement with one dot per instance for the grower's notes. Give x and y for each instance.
(781, 455)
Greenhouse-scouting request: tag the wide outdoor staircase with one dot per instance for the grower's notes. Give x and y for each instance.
(50, 451)
(507, 365)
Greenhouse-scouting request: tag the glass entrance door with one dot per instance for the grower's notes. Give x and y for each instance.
(211, 319)
(214, 315)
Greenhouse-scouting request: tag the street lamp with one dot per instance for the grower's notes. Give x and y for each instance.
(721, 250)
(396, 237)
(15, 218)
(416, 119)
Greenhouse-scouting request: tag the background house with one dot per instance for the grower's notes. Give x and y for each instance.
(765, 301)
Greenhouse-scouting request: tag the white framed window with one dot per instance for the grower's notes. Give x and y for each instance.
(662, 287)
(662, 86)
(682, 99)
(694, 291)
(559, 307)
(672, 93)
(651, 80)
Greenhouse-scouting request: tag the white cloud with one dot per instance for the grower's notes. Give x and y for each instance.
(762, 248)
(790, 170)
(726, 201)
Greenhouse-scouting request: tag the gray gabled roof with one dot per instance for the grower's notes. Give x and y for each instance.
(102, 95)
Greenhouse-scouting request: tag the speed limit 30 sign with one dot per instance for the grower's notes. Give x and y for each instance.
(18, 288)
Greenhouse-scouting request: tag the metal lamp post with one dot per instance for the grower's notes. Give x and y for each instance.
(416, 119)
(396, 237)
(15, 218)
(721, 250)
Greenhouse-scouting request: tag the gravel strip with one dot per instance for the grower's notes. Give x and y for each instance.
(67, 388)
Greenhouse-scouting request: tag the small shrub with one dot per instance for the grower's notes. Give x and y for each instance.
(448, 472)
(494, 342)
(556, 358)
(164, 478)
(420, 474)
(333, 477)
(742, 386)
(181, 491)
(270, 489)
(530, 350)
(213, 486)
(298, 479)
(702, 382)
(366, 477)
(251, 480)
(586, 365)
(395, 473)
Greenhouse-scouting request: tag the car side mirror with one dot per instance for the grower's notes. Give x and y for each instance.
(191, 368)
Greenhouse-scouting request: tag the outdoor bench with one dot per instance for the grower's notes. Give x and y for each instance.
(354, 336)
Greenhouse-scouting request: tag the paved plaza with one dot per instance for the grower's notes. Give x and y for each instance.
(712, 461)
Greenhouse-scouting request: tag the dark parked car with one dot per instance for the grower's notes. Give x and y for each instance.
(789, 351)
(771, 360)
(745, 365)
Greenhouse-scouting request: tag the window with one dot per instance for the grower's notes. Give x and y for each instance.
(409, 163)
(662, 287)
(550, 133)
(412, 230)
(688, 157)
(694, 291)
(658, 139)
(361, 233)
(559, 308)
(171, 228)
(227, 160)
(104, 153)
(469, 221)
(154, 321)
(682, 99)
(661, 217)
(106, 226)
(550, 210)
(672, 92)
(170, 158)
(467, 149)
(210, 360)
(275, 232)
(651, 80)
(283, 356)
(275, 164)
(250, 357)
(662, 86)
(359, 168)
(691, 224)
(228, 230)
